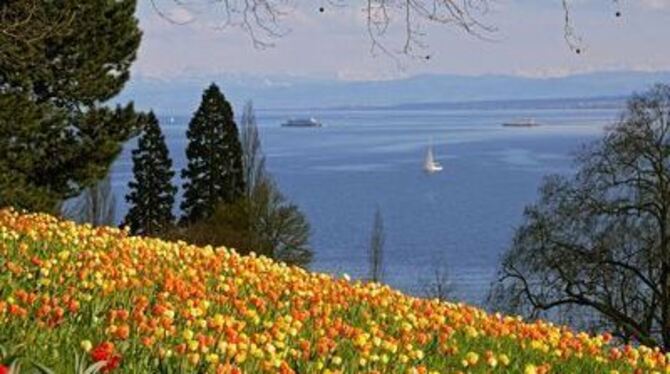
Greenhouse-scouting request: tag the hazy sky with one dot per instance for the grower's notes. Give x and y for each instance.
(529, 41)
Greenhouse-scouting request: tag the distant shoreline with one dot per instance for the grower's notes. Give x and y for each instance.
(570, 103)
(587, 103)
(602, 102)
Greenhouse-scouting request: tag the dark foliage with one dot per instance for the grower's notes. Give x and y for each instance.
(214, 174)
(152, 194)
(262, 220)
(596, 247)
(59, 60)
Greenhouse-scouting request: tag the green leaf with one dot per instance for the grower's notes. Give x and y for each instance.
(95, 368)
(42, 369)
(15, 367)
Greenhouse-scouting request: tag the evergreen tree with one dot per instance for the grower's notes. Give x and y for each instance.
(55, 137)
(151, 193)
(214, 173)
(263, 220)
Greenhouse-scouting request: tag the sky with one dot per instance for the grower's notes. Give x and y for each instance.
(528, 41)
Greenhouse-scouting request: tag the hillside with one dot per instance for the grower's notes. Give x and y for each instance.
(77, 295)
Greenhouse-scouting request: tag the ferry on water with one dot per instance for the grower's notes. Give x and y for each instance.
(522, 123)
(302, 122)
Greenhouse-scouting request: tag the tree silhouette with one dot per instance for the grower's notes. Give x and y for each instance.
(151, 195)
(59, 62)
(597, 246)
(376, 249)
(263, 220)
(214, 173)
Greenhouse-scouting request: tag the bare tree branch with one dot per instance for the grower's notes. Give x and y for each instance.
(573, 39)
(386, 21)
(600, 241)
(165, 16)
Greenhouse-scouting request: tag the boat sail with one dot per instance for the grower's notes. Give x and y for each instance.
(431, 165)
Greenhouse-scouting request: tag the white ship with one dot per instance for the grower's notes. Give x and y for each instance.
(302, 122)
(530, 122)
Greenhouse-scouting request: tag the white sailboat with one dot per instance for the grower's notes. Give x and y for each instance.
(431, 165)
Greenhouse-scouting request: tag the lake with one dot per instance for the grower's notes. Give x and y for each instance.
(461, 219)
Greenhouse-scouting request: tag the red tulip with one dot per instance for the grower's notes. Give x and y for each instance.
(105, 352)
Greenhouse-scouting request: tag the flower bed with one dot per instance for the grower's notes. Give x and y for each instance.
(72, 295)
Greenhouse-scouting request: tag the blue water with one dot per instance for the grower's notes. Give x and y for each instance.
(461, 219)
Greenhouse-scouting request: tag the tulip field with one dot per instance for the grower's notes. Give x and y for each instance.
(78, 299)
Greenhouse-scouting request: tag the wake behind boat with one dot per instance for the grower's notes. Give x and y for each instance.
(302, 122)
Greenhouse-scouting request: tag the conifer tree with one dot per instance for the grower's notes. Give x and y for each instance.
(151, 193)
(60, 61)
(263, 220)
(214, 173)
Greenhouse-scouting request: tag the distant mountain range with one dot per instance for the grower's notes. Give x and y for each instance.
(604, 102)
(182, 95)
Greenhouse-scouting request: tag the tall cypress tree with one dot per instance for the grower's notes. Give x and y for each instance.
(151, 193)
(214, 173)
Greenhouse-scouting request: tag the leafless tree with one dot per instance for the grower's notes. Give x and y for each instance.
(277, 227)
(263, 20)
(598, 244)
(252, 154)
(376, 249)
(265, 223)
(96, 205)
(439, 285)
